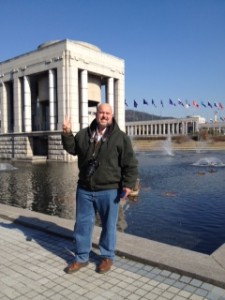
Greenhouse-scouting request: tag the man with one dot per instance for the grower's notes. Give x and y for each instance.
(107, 169)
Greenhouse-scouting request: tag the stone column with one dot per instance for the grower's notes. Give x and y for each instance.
(184, 127)
(74, 99)
(119, 102)
(150, 129)
(17, 105)
(196, 126)
(27, 104)
(4, 108)
(132, 130)
(84, 98)
(172, 128)
(52, 100)
(160, 129)
(177, 128)
(68, 92)
(110, 92)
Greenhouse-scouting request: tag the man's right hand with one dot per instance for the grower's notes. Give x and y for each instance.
(66, 125)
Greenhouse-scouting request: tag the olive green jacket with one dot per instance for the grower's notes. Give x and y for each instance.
(117, 164)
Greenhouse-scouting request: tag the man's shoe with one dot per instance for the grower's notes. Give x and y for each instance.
(75, 266)
(104, 266)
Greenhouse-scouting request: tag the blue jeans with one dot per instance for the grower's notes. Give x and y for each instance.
(106, 203)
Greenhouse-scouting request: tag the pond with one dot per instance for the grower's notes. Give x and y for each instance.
(181, 200)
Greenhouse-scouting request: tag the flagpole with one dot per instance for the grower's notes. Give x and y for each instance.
(161, 102)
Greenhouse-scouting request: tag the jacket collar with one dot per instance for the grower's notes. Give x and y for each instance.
(92, 130)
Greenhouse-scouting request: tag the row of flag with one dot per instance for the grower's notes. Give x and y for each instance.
(185, 104)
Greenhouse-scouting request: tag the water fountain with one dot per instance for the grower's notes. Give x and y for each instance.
(167, 146)
(201, 146)
(209, 161)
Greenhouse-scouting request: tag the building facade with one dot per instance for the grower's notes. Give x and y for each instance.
(164, 127)
(173, 127)
(38, 89)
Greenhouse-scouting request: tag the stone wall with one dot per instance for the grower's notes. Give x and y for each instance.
(55, 149)
(21, 147)
(6, 147)
(186, 144)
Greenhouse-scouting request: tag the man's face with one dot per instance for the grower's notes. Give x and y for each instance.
(104, 116)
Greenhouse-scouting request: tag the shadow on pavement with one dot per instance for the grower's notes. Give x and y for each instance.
(49, 236)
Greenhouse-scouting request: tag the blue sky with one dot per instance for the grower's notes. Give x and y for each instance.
(173, 49)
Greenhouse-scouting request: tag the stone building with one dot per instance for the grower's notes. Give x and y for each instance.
(165, 127)
(39, 88)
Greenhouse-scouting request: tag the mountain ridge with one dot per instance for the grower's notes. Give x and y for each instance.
(133, 115)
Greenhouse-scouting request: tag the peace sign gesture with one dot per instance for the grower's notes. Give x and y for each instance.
(66, 125)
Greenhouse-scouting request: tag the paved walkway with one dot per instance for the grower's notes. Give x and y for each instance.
(32, 266)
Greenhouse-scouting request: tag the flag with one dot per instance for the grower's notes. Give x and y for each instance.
(195, 104)
(215, 105)
(203, 104)
(180, 102)
(161, 103)
(220, 105)
(209, 104)
(171, 102)
(135, 104)
(126, 103)
(145, 102)
(153, 102)
(187, 104)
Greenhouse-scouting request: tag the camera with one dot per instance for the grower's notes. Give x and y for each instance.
(92, 166)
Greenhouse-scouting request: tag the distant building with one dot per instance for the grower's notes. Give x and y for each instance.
(38, 88)
(201, 120)
(190, 125)
(164, 127)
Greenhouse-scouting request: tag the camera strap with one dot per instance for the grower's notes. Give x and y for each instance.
(97, 148)
(97, 141)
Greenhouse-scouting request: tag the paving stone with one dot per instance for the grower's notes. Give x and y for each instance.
(34, 269)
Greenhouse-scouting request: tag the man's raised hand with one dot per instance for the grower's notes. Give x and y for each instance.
(66, 125)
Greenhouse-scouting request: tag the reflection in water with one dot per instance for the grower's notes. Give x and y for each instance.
(176, 205)
(6, 167)
(47, 188)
